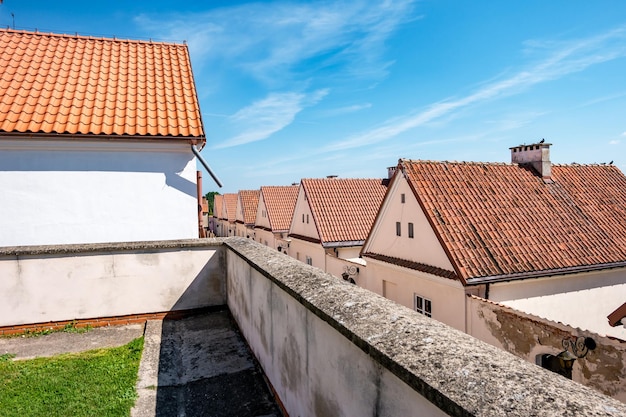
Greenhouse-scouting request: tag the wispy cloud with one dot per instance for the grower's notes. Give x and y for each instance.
(616, 142)
(338, 111)
(265, 117)
(272, 41)
(568, 58)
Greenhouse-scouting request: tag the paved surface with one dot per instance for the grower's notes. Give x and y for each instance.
(197, 366)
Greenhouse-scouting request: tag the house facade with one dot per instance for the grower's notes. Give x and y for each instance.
(103, 133)
(229, 215)
(530, 235)
(331, 220)
(274, 215)
(247, 203)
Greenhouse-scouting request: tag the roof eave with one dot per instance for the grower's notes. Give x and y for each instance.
(196, 140)
(544, 273)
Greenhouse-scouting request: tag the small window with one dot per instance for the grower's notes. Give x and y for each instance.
(402, 199)
(309, 261)
(398, 229)
(307, 219)
(423, 305)
(410, 230)
(302, 217)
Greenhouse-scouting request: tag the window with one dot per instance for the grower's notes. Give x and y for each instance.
(307, 219)
(423, 305)
(410, 230)
(402, 199)
(398, 229)
(309, 261)
(302, 217)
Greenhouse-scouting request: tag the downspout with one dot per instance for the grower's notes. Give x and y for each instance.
(201, 232)
(205, 165)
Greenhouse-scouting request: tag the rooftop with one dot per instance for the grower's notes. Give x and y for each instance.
(280, 201)
(77, 85)
(497, 219)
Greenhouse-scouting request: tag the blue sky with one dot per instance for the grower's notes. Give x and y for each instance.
(292, 90)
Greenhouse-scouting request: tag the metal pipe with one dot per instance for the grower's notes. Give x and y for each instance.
(205, 165)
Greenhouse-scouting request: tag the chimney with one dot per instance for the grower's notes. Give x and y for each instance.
(536, 155)
(391, 171)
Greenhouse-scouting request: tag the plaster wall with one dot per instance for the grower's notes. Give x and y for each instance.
(262, 218)
(302, 222)
(108, 281)
(528, 336)
(58, 192)
(423, 247)
(299, 249)
(402, 284)
(337, 266)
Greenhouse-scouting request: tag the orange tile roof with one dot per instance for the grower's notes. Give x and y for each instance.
(249, 204)
(230, 202)
(61, 84)
(344, 209)
(497, 219)
(280, 202)
(218, 200)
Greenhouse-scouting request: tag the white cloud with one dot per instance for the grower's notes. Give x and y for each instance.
(569, 58)
(615, 142)
(265, 117)
(624, 134)
(271, 41)
(346, 109)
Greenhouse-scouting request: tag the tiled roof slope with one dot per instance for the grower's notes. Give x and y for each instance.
(344, 209)
(230, 201)
(218, 201)
(280, 202)
(249, 204)
(62, 84)
(499, 219)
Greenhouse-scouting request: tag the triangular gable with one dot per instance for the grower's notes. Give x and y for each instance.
(423, 251)
(276, 207)
(303, 224)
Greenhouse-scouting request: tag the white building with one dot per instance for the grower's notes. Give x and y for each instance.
(97, 140)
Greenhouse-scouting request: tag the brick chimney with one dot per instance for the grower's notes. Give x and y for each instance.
(536, 155)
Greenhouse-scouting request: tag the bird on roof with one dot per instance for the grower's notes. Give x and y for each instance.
(542, 140)
(611, 163)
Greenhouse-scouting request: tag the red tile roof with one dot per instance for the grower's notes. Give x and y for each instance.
(61, 84)
(218, 201)
(280, 202)
(497, 219)
(344, 209)
(249, 204)
(230, 202)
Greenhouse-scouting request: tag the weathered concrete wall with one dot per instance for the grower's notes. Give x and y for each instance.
(68, 282)
(527, 336)
(333, 349)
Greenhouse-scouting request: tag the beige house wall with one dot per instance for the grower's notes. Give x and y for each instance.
(528, 336)
(261, 214)
(423, 247)
(302, 222)
(337, 266)
(402, 284)
(300, 249)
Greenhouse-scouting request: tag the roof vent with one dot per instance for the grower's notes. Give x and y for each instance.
(537, 155)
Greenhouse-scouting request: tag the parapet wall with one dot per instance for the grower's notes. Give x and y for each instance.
(329, 348)
(333, 349)
(41, 284)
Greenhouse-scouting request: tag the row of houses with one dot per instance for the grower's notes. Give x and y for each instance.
(451, 240)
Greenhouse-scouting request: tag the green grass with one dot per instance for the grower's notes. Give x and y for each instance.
(95, 383)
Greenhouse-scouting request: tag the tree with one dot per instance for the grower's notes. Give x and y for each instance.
(209, 198)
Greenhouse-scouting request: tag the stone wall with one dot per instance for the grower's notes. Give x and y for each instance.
(529, 337)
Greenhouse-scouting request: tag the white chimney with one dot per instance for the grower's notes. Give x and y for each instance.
(536, 155)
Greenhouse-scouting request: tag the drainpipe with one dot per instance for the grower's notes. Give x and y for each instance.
(201, 232)
(205, 165)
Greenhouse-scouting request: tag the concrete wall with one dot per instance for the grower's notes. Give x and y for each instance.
(333, 349)
(57, 283)
(328, 348)
(57, 192)
(528, 336)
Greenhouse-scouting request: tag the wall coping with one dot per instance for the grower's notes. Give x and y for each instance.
(458, 373)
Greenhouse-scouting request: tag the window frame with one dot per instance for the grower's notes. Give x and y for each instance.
(423, 305)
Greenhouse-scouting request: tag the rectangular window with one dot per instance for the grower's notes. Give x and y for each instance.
(410, 230)
(398, 229)
(402, 198)
(307, 219)
(423, 305)
(309, 261)
(302, 217)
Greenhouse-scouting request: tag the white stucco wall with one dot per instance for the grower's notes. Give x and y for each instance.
(423, 247)
(447, 295)
(300, 225)
(57, 192)
(300, 249)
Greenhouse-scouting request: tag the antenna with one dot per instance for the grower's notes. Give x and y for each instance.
(13, 16)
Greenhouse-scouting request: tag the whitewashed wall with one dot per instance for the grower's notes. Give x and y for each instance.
(57, 192)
